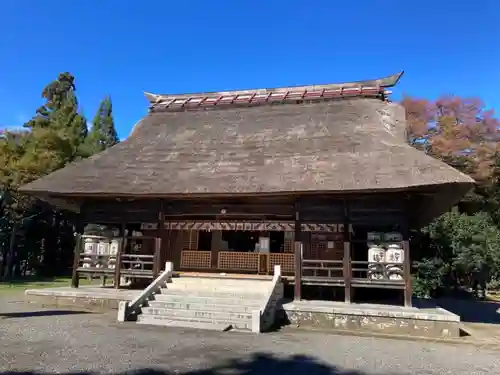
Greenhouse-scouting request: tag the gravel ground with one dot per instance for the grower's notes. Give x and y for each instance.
(43, 340)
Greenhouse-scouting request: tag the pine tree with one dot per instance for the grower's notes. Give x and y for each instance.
(103, 134)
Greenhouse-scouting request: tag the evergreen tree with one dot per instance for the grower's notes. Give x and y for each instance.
(55, 138)
(58, 120)
(103, 134)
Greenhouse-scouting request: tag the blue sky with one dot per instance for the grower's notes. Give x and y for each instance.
(123, 48)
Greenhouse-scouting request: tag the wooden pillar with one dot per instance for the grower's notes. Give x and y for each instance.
(75, 280)
(215, 247)
(298, 254)
(159, 235)
(264, 267)
(157, 257)
(408, 293)
(407, 273)
(118, 262)
(347, 269)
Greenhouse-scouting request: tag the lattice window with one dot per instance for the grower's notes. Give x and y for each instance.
(196, 259)
(229, 260)
(286, 261)
(317, 248)
(288, 243)
(190, 239)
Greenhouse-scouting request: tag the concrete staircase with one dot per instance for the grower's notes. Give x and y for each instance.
(206, 303)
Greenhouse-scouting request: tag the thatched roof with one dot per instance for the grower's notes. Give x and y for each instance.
(327, 138)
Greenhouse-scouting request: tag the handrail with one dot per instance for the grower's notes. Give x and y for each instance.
(263, 318)
(128, 310)
(320, 265)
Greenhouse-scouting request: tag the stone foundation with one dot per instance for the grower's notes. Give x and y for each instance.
(88, 298)
(380, 319)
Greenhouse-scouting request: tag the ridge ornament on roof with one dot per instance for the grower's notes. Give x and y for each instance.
(367, 88)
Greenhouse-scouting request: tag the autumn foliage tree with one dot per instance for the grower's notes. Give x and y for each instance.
(458, 131)
(464, 134)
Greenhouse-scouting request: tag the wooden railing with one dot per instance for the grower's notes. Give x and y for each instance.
(196, 259)
(365, 272)
(97, 263)
(332, 269)
(137, 262)
(107, 263)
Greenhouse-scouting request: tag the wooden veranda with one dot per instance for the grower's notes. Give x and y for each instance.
(325, 245)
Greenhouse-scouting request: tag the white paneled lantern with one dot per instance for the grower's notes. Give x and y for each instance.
(395, 258)
(90, 249)
(376, 256)
(113, 252)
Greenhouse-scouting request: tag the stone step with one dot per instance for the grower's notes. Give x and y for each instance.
(206, 306)
(220, 285)
(218, 281)
(199, 323)
(212, 299)
(196, 314)
(218, 288)
(240, 295)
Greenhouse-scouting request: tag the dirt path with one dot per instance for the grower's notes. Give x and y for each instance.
(34, 339)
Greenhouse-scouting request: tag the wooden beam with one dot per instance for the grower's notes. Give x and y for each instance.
(228, 210)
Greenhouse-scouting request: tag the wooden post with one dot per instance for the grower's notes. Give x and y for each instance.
(298, 254)
(118, 262)
(407, 272)
(75, 279)
(215, 246)
(347, 272)
(408, 292)
(347, 269)
(159, 234)
(157, 258)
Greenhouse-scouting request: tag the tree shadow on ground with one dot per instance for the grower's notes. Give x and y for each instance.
(258, 364)
(33, 314)
(470, 310)
(35, 280)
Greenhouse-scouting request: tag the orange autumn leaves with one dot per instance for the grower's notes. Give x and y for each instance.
(459, 131)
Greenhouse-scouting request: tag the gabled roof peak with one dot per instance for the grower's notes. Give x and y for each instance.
(181, 102)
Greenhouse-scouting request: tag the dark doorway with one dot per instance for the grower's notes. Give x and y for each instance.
(240, 240)
(205, 240)
(277, 242)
